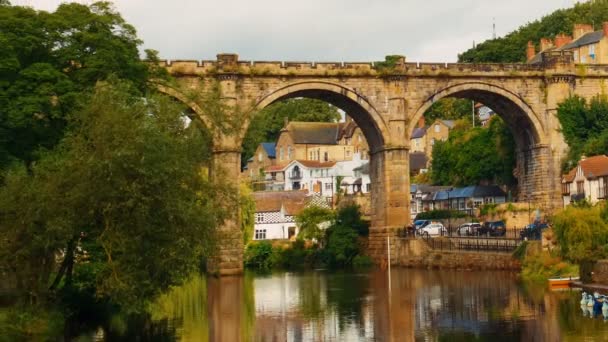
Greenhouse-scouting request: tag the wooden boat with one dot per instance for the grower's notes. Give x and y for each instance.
(562, 281)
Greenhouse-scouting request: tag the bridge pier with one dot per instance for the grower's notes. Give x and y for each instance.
(227, 257)
(390, 197)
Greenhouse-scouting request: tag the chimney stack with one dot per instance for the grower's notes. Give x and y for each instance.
(580, 30)
(561, 40)
(421, 122)
(531, 51)
(545, 44)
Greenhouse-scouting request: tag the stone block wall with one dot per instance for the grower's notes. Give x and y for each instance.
(416, 253)
(600, 272)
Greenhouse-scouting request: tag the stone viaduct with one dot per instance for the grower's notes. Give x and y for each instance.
(386, 102)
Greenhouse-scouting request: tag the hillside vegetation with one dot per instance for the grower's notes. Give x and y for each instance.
(512, 47)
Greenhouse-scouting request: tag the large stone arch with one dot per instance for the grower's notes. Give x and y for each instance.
(538, 179)
(511, 107)
(181, 97)
(356, 106)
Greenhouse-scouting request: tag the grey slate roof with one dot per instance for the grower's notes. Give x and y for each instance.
(364, 169)
(321, 133)
(419, 132)
(471, 191)
(270, 149)
(589, 38)
(449, 123)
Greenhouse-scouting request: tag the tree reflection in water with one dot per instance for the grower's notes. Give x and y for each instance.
(425, 305)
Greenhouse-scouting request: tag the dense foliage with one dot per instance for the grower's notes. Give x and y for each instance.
(450, 108)
(122, 197)
(337, 246)
(482, 154)
(582, 232)
(50, 60)
(512, 47)
(267, 124)
(585, 127)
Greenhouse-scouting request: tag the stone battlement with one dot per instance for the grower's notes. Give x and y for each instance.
(556, 63)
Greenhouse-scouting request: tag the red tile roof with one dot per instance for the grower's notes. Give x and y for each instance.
(314, 164)
(275, 168)
(292, 201)
(592, 167)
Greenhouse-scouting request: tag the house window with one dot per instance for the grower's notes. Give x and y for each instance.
(592, 51)
(347, 153)
(566, 188)
(360, 137)
(603, 190)
(328, 186)
(260, 156)
(432, 141)
(580, 187)
(576, 56)
(488, 200)
(259, 217)
(260, 234)
(477, 204)
(288, 152)
(417, 142)
(281, 153)
(368, 187)
(325, 156)
(437, 128)
(311, 156)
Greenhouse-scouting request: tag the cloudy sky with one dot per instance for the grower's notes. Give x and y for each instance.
(321, 30)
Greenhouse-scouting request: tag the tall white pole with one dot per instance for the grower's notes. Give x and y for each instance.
(473, 112)
(388, 246)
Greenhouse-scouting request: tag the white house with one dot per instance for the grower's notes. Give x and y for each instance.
(275, 214)
(319, 178)
(588, 180)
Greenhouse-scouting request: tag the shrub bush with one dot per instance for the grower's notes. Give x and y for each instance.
(260, 256)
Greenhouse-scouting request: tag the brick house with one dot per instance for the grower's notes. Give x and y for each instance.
(588, 180)
(264, 156)
(424, 137)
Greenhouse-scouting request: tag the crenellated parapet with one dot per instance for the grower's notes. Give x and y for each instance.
(559, 63)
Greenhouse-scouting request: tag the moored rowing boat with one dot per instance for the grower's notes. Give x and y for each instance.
(562, 281)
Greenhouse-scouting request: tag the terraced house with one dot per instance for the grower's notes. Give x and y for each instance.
(587, 181)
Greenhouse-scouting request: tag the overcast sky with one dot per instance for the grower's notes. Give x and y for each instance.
(321, 30)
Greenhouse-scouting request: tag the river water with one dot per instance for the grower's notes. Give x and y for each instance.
(420, 305)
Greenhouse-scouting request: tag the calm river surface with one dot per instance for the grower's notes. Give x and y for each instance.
(422, 305)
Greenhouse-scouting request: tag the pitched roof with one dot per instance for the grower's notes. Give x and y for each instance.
(321, 133)
(270, 149)
(419, 132)
(592, 167)
(275, 168)
(471, 191)
(313, 164)
(586, 39)
(418, 161)
(269, 201)
(449, 123)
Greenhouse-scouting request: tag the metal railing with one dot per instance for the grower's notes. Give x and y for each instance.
(477, 245)
(518, 234)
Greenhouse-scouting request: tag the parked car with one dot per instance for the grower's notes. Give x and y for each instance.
(468, 229)
(493, 228)
(433, 229)
(421, 223)
(533, 231)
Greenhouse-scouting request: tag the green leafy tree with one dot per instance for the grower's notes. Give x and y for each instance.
(122, 198)
(267, 124)
(450, 108)
(468, 157)
(585, 127)
(48, 61)
(309, 220)
(247, 205)
(582, 233)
